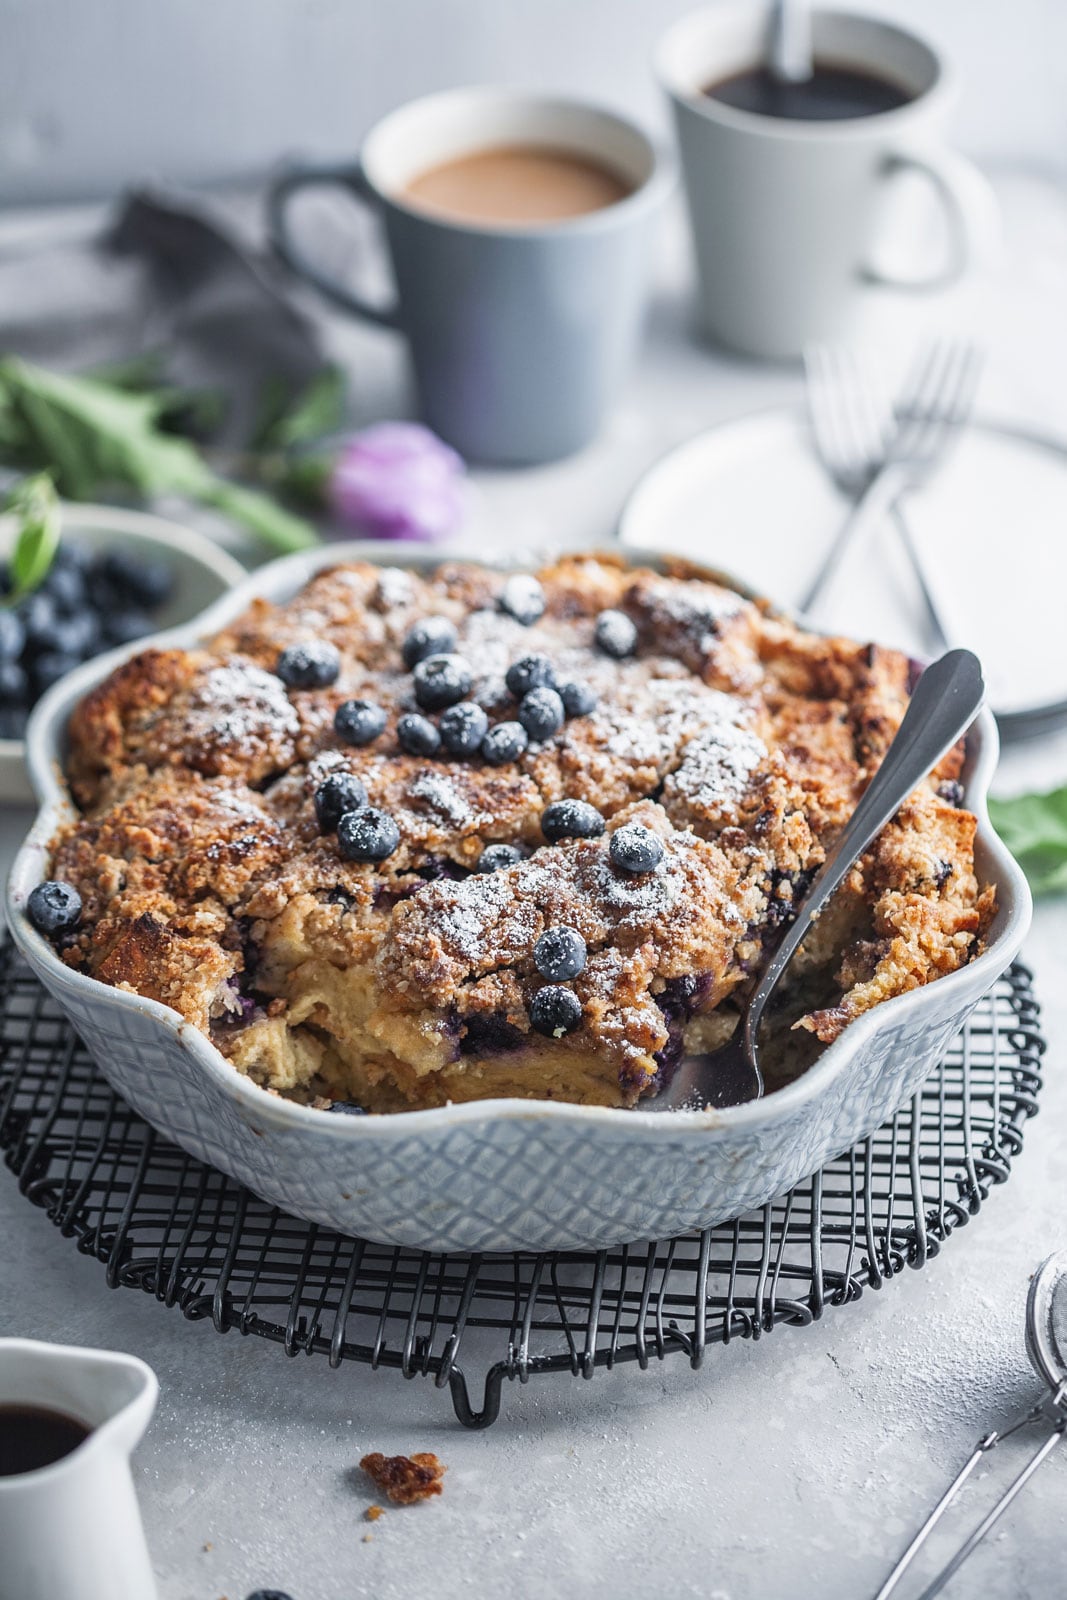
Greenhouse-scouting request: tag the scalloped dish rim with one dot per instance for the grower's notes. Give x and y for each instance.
(278, 580)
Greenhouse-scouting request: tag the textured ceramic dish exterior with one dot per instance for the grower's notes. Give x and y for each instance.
(202, 572)
(497, 1174)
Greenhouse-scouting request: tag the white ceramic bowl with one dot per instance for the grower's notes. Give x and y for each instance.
(202, 572)
(497, 1174)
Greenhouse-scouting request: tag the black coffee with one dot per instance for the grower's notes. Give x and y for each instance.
(831, 94)
(34, 1436)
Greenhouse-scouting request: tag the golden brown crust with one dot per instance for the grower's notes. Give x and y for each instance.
(405, 1479)
(741, 741)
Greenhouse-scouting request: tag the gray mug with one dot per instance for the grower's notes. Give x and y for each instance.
(520, 335)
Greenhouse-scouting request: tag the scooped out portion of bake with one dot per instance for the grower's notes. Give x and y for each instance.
(410, 839)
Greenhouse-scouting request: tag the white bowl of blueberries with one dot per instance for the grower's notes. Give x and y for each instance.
(117, 576)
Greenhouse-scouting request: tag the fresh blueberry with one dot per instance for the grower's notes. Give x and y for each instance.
(417, 735)
(39, 620)
(347, 1108)
(77, 636)
(441, 680)
(123, 627)
(523, 598)
(104, 596)
(12, 636)
(531, 672)
(367, 834)
(635, 848)
(13, 683)
(66, 586)
(555, 1011)
(270, 1594)
(541, 713)
(75, 556)
(50, 666)
(433, 636)
(497, 856)
(571, 819)
(559, 954)
(952, 791)
(505, 742)
(358, 721)
(311, 665)
(144, 580)
(336, 794)
(54, 907)
(463, 727)
(578, 699)
(615, 634)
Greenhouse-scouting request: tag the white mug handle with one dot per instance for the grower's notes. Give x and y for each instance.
(971, 212)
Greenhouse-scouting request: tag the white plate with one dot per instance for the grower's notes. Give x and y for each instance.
(992, 527)
(202, 572)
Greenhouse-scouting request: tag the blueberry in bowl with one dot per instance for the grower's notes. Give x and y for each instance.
(117, 575)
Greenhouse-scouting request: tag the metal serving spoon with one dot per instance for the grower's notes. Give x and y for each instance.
(946, 699)
(1046, 1345)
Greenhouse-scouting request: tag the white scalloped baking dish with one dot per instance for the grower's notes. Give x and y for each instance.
(495, 1174)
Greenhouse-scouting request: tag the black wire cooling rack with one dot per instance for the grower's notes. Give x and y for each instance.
(164, 1223)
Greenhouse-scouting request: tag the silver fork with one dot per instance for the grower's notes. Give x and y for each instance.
(877, 448)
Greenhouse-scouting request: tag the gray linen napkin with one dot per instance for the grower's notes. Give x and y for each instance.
(166, 277)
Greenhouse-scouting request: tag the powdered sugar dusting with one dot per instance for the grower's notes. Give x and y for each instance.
(440, 795)
(244, 702)
(718, 762)
(634, 901)
(696, 608)
(395, 588)
(465, 914)
(662, 715)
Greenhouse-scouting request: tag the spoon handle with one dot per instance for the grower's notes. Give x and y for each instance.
(946, 700)
(790, 52)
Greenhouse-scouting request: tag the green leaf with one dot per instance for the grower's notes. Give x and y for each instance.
(140, 373)
(35, 505)
(264, 517)
(93, 438)
(319, 410)
(193, 413)
(1034, 828)
(305, 478)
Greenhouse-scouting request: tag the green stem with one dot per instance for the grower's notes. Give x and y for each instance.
(265, 518)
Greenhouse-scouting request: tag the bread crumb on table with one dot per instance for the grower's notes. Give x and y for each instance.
(405, 1479)
(372, 1513)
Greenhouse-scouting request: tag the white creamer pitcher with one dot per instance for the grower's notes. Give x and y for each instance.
(72, 1530)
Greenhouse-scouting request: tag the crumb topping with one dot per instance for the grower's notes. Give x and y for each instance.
(405, 1479)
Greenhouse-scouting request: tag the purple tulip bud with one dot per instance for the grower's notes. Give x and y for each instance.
(397, 480)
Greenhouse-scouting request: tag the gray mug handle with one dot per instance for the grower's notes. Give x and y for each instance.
(347, 176)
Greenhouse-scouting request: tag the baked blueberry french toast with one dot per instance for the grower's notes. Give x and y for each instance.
(416, 838)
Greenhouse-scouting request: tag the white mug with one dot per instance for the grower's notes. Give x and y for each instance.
(786, 214)
(72, 1530)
